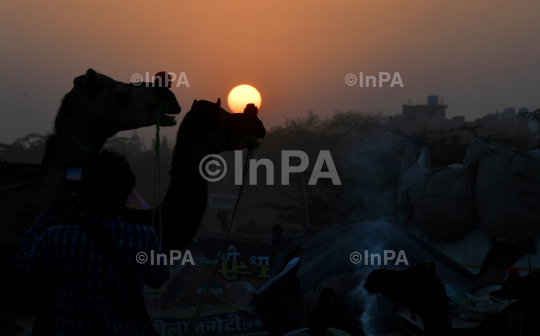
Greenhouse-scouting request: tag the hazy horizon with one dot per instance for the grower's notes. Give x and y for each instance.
(480, 57)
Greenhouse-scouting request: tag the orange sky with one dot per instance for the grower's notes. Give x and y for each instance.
(479, 55)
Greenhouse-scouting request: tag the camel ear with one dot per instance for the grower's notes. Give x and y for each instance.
(92, 81)
(79, 81)
(214, 120)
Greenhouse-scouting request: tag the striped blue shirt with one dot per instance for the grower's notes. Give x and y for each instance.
(90, 296)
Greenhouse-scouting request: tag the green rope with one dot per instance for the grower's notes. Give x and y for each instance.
(87, 149)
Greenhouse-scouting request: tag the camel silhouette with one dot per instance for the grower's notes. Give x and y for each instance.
(206, 129)
(95, 109)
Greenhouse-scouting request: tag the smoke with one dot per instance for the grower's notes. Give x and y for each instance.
(369, 320)
(373, 315)
(371, 170)
(373, 166)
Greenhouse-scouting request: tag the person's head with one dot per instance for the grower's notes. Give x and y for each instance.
(515, 286)
(106, 181)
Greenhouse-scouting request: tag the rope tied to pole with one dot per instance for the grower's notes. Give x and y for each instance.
(162, 79)
(157, 187)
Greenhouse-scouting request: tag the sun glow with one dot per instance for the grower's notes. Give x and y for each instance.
(242, 95)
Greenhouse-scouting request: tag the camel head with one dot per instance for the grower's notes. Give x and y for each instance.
(220, 130)
(98, 107)
(378, 279)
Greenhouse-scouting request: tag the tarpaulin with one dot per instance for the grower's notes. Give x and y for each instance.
(507, 191)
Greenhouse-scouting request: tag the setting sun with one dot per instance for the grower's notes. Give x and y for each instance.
(242, 95)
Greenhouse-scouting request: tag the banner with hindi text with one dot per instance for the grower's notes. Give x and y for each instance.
(228, 310)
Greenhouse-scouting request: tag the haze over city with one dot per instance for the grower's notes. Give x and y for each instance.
(479, 56)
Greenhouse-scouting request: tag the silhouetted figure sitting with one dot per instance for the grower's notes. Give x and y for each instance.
(328, 315)
(526, 290)
(521, 317)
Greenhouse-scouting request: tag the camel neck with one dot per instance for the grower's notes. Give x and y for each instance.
(185, 176)
(184, 205)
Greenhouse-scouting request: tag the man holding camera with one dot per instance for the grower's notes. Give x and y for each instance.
(93, 263)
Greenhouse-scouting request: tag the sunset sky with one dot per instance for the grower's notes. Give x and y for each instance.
(478, 55)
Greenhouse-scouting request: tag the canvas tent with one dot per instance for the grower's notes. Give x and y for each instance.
(507, 191)
(494, 188)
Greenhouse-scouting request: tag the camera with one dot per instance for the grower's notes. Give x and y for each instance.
(72, 180)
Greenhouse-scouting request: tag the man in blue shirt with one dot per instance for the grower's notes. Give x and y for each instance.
(91, 297)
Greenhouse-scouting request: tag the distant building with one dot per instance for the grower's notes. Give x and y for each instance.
(415, 118)
(507, 122)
